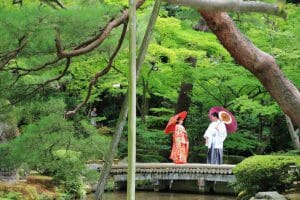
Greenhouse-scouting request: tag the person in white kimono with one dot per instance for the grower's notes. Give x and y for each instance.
(214, 136)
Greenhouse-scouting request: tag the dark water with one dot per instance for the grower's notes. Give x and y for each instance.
(162, 196)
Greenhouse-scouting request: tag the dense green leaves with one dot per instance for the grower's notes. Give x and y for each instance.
(177, 54)
(264, 173)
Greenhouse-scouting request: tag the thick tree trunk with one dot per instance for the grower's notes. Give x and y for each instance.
(293, 133)
(259, 63)
(124, 109)
(184, 99)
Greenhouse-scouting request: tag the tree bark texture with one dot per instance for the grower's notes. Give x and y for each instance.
(184, 99)
(262, 65)
(293, 133)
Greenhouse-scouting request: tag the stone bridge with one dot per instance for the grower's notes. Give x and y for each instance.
(158, 172)
(8, 174)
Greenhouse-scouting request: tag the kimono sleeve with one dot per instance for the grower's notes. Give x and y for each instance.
(222, 131)
(208, 132)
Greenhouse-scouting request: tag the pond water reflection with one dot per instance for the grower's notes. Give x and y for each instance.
(163, 196)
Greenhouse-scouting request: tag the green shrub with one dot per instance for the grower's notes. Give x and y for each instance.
(110, 185)
(293, 153)
(233, 159)
(67, 170)
(10, 196)
(264, 173)
(91, 176)
(73, 188)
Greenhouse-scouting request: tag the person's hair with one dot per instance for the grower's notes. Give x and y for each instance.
(215, 115)
(178, 119)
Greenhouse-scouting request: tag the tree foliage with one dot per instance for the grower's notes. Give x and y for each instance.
(178, 53)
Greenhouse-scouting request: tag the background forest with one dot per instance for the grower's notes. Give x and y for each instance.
(186, 68)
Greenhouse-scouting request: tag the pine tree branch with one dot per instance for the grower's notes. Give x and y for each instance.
(6, 57)
(100, 74)
(42, 85)
(91, 46)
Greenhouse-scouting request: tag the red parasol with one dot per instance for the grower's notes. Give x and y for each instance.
(172, 122)
(225, 116)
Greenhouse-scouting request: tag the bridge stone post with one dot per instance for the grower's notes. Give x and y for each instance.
(155, 183)
(201, 185)
(119, 184)
(171, 184)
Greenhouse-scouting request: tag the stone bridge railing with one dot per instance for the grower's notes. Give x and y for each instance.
(8, 174)
(170, 172)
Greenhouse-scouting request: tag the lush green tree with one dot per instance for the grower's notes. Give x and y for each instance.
(41, 83)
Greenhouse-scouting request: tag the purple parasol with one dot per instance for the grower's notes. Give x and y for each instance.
(225, 116)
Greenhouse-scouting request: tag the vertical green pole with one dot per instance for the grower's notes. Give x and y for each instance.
(132, 102)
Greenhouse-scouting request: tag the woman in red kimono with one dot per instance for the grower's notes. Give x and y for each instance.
(180, 147)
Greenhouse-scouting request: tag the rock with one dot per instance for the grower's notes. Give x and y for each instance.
(93, 166)
(8, 122)
(272, 195)
(4, 133)
(88, 188)
(94, 187)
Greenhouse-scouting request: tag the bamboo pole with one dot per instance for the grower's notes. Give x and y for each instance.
(132, 103)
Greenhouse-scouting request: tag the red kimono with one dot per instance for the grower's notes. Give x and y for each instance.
(180, 147)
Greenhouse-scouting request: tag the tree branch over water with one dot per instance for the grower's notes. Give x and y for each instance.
(262, 65)
(232, 5)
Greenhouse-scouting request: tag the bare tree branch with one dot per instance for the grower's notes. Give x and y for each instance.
(91, 46)
(101, 73)
(89, 41)
(53, 3)
(235, 94)
(42, 85)
(18, 2)
(119, 71)
(259, 91)
(43, 66)
(211, 94)
(6, 57)
(28, 71)
(61, 75)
